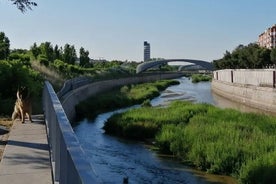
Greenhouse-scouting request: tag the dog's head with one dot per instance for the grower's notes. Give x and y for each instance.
(22, 93)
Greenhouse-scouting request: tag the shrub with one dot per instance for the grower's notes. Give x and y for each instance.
(222, 141)
(261, 170)
(43, 60)
(14, 74)
(200, 77)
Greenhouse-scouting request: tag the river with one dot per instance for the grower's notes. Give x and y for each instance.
(114, 159)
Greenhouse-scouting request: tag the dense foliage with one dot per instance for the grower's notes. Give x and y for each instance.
(64, 60)
(212, 139)
(14, 74)
(46, 52)
(123, 97)
(200, 78)
(28, 68)
(4, 46)
(84, 58)
(251, 56)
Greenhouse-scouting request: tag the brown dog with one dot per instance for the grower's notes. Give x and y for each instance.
(23, 105)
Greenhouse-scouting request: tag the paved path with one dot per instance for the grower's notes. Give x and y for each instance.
(26, 155)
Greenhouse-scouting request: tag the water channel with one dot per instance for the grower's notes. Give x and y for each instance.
(114, 158)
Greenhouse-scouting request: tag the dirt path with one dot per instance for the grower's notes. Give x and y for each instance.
(5, 124)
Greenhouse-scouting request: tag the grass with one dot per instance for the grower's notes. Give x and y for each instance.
(200, 78)
(218, 141)
(121, 97)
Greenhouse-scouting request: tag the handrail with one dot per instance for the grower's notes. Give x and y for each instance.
(69, 162)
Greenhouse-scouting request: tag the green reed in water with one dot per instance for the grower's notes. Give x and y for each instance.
(222, 141)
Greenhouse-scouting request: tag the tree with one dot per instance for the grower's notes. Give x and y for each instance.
(69, 54)
(35, 50)
(273, 56)
(265, 57)
(57, 52)
(23, 5)
(47, 50)
(250, 56)
(4, 46)
(84, 57)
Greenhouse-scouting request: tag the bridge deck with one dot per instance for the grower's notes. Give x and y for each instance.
(26, 156)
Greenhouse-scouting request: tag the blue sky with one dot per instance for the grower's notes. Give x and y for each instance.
(116, 29)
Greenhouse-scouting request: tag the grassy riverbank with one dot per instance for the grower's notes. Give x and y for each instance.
(121, 97)
(200, 78)
(229, 142)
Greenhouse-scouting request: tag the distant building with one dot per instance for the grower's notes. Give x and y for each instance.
(146, 51)
(268, 38)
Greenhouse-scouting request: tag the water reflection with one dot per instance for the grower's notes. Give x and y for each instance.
(114, 158)
(187, 91)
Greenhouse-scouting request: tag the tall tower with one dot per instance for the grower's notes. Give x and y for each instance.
(146, 51)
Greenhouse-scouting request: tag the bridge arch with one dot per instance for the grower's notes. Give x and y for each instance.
(146, 65)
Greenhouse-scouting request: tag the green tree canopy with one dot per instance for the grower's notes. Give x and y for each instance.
(15, 74)
(69, 54)
(84, 57)
(250, 56)
(47, 50)
(273, 56)
(57, 52)
(35, 50)
(4, 46)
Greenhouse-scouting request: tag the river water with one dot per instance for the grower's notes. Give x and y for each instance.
(114, 159)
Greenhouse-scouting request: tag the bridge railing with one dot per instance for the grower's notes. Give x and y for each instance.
(69, 162)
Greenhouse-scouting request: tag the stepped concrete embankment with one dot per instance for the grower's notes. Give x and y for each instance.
(255, 88)
(74, 97)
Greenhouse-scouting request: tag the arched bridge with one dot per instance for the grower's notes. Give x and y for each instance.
(146, 65)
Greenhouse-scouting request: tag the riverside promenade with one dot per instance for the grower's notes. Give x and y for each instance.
(26, 157)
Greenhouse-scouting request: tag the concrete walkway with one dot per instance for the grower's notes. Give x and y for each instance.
(26, 156)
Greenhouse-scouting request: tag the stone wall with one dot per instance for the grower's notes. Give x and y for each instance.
(74, 97)
(254, 88)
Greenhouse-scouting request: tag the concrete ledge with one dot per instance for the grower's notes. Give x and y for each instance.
(258, 97)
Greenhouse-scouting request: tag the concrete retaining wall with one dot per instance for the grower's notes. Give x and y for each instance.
(254, 88)
(71, 99)
(256, 77)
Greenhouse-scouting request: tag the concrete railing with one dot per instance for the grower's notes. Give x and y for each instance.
(69, 162)
(254, 77)
(255, 88)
